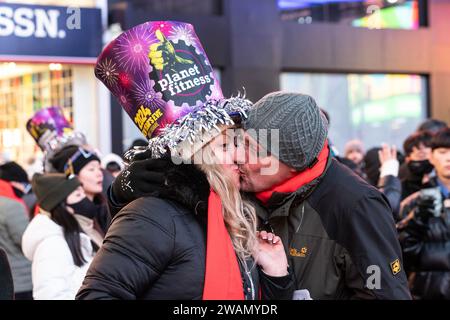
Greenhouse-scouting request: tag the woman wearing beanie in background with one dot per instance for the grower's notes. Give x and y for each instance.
(85, 164)
(54, 241)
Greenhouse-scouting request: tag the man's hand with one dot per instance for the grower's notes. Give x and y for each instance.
(270, 255)
(142, 177)
(388, 160)
(387, 153)
(163, 53)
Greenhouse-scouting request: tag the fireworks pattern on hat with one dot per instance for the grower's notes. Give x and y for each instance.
(164, 26)
(183, 33)
(133, 46)
(106, 71)
(144, 94)
(124, 97)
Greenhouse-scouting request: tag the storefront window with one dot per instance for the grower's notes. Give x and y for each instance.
(372, 14)
(24, 89)
(374, 108)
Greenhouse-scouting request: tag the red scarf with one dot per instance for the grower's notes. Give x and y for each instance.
(299, 180)
(6, 190)
(223, 279)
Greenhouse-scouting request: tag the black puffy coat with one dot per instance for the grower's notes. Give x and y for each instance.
(155, 248)
(426, 250)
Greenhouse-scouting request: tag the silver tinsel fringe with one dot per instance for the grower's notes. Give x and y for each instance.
(200, 120)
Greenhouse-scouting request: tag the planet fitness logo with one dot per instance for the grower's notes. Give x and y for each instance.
(179, 72)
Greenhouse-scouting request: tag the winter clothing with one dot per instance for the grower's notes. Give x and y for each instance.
(102, 217)
(112, 158)
(144, 174)
(223, 279)
(300, 179)
(53, 188)
(299, 142)
(411, 182)
(11, 171)
(55, 275)
(334, 228)
(155, 247)
(391, 187)
(6, 280)
(13, 221)
(353, 145)
(426, 245)
(72, 159)
(384, 177)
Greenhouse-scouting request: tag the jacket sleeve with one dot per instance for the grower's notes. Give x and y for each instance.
(391, 187)
(55, 277)
(276, 288)
(113, 205)
(135, 252)
(16, 221)
(426, 246)
(373, 268)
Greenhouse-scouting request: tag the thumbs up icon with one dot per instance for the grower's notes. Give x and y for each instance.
(163, 54)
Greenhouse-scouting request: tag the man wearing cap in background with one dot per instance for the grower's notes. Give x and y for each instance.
(14, 219)
(338, 230)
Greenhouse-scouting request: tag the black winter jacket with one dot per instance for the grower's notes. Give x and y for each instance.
(340, 236)
(426, 250)
(155, 248)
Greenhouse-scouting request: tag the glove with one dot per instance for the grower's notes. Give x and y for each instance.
(426, 207)
(143, 176)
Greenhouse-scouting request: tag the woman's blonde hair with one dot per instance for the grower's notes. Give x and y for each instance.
(239, 215)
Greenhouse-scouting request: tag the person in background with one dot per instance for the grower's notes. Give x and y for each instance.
(58, 246)
(354, 151)
(426, 237)
(6, 280)
(417, 168)
(85, 164)
(432, 126)
(14, 219)
(113, 164)
(334, 151)
(381, 170)
(17, 178)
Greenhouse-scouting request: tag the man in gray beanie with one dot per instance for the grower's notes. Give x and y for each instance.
(338, 230)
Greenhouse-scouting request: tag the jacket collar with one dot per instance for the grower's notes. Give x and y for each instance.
(280, 203)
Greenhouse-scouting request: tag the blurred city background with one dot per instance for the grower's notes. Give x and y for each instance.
(378, 67)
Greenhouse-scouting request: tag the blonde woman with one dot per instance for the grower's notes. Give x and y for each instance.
(194, 239)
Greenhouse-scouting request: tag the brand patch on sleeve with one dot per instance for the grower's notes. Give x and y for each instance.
(396, 267)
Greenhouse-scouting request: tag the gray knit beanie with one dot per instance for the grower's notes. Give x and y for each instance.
(302, 127)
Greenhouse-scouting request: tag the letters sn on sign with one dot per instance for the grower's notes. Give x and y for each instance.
(27, 22)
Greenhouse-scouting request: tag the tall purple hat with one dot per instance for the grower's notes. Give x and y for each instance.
(161, 76)
(51, 130)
